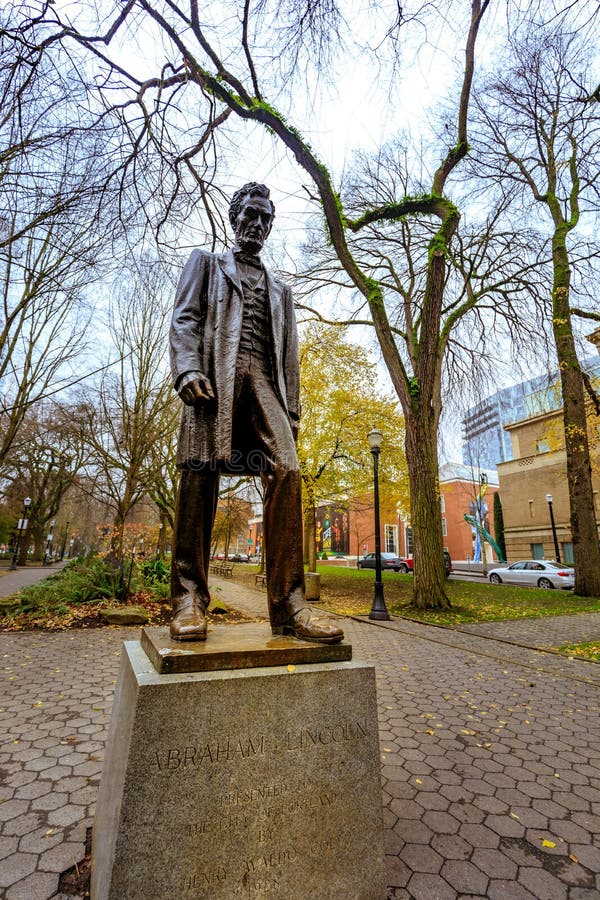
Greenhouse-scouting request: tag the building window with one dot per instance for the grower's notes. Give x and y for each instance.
(542, 446)
(537, 551)
(443, 504)
(409, 541)
(567, 552)
(391, 539)
(444, 528)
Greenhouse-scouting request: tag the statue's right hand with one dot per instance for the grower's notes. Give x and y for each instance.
(197, 389)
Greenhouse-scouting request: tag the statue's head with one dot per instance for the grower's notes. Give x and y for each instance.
(251, 214)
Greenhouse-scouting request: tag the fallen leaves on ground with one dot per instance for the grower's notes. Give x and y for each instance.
(586, 650)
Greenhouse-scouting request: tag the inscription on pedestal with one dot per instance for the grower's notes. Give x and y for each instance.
(174, 759)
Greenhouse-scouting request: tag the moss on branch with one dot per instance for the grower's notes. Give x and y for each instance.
(426, 204)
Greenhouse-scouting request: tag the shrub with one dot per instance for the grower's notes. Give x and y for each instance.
(156, 570)
(81, 581)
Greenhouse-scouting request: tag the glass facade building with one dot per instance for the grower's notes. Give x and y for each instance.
(485, 442)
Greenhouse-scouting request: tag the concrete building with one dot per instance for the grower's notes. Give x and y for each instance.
(539, 470)
(485, 440)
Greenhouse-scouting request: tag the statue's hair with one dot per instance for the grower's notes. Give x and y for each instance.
(252, 189)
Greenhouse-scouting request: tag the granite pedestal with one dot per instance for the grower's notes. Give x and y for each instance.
(242, 783)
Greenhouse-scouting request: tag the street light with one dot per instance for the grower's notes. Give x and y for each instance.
(378, 610)
(158, 541)
(22, 526)
(49, 542)
(553, 524)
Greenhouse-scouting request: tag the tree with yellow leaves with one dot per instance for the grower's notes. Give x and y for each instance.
(340, 405)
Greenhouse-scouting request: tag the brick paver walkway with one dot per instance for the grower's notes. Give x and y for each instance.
(549, 632)
(490, 758)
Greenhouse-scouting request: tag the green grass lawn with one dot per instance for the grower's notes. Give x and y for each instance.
(350, 591)
(590, 650)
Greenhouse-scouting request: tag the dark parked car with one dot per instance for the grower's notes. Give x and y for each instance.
(238, 557)
(388, 561)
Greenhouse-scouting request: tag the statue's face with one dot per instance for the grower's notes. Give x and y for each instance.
(253, 223)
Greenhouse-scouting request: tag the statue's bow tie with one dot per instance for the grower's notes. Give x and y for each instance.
(247, 258)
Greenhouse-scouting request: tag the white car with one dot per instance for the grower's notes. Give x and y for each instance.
(541, 573)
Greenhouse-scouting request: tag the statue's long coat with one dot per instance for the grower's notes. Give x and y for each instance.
(205, 337)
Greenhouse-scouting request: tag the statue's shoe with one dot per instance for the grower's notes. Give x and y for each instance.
(189, 621)
(306, 627)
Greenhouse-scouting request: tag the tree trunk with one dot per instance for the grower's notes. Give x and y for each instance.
(429, 588)
(309, 514)
(499, 525)
(115, 553)
(24, 547)
(39, 543)
(310, 538)
(584, 532)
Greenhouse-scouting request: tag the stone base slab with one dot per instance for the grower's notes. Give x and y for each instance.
(235, 647)
(248, 783)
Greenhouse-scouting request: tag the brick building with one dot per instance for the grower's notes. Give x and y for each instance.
(460, 488)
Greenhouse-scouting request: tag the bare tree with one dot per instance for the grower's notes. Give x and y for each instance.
(540, 136)
(51, 244)
(45, 318)
(43, 464)
(160, 468)
(233, 511)
(129, 412)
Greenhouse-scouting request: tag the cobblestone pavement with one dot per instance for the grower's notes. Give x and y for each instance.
(490, 758)
(548, 633)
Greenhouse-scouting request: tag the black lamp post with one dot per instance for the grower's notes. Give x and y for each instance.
(22, 526)
(553, 524)
(378, 610)
(64, 543)
(49, 542)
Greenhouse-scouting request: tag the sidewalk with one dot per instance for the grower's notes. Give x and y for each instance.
(490, 754)
(12, 581)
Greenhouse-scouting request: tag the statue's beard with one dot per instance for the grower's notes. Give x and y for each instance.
(251, 243)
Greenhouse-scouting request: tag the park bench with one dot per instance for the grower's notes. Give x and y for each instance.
(221, 568)
(260, 580)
